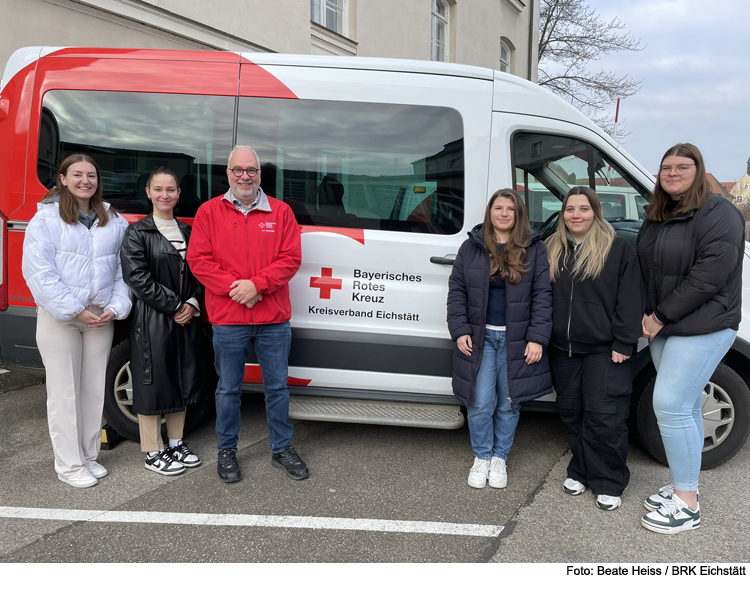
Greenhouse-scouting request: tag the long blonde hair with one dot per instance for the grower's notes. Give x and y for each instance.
(510, 265)
(592, 252)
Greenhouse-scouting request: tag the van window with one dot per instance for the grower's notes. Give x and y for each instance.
(360, 165)
(130, 134)
(548, 166)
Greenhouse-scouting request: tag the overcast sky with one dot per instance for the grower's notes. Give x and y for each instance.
(696, 79)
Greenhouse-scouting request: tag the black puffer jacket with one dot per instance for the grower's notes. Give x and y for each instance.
(696, 277)
(602, 314)
(528, 318)
(166, 359)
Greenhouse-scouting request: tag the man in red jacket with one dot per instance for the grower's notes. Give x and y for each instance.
(245, 248)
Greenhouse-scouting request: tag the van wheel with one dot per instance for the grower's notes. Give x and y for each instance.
(726, 418)
(118, 396)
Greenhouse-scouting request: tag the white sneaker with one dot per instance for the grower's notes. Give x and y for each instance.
(608, 503)
(84, 480)
(674, 516)
(478, 473)
(97, 470)
(183, 455)
(163, 463)
(498, 473)
(573, 487)
(655, 501)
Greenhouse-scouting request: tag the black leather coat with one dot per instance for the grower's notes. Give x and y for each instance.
(166, 359)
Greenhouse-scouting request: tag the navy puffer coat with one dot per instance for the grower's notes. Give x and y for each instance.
(528, 318)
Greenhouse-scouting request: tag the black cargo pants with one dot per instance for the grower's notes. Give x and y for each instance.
(593, 399)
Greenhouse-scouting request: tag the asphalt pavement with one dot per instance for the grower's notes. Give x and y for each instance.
(375, 494)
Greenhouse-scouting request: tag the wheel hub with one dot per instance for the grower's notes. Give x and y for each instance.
(718, 416)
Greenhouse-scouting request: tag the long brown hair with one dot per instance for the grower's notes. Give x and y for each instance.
(510, 265)
(68, 204)
(693, 198)
(592, 252)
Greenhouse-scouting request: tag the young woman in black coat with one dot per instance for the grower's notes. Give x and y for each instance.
(596, 313)
(690, 249)
(166, 359)
(500, 315)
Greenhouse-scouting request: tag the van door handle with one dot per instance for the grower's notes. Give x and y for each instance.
(448, 259)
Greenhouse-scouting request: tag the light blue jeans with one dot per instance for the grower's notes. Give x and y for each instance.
(684, 365)
(492, 423)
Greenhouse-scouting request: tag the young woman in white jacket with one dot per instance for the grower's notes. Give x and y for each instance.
(71, 263)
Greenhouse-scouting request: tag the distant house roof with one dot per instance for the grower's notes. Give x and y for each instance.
(718, 187)
(729, 185)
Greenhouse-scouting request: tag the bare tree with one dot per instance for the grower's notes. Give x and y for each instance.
(571, 36)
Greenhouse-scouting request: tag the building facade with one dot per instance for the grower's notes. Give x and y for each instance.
(741, 190)
(498, 34)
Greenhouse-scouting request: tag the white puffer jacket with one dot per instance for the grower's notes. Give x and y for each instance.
(68, 267)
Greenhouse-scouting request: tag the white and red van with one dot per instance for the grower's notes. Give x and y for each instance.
(386, 164)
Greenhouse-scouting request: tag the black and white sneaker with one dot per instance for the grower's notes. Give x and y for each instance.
(288, 459)
(608, 503)
(163, 463)
(573, 487)
(183, 455)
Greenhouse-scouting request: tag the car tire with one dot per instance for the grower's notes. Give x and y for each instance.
(726, 418)
(118, 396)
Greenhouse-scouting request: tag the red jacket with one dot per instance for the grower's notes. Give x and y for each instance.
(263, 246)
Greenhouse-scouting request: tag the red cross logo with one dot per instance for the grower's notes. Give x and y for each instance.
(325, 283)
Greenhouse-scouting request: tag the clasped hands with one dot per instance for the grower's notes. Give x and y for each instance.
(243, 292)
(91, 320)
(184, 315)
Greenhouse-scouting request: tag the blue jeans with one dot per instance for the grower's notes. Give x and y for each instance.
(684, 365)
(492, 422)
(271, 344)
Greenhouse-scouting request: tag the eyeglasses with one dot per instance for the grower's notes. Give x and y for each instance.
(237, 171)
(679, 168)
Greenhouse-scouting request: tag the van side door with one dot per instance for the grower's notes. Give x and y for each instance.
(385, 172)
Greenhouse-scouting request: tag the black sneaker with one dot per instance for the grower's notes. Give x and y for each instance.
(291, 462)
(228, 468)
(163, 463)
(182, 454)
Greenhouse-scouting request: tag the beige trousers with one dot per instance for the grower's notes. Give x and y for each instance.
(75, 359)
(150, 428)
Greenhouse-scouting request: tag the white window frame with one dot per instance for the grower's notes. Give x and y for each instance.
(439, 49)
(505, 64)
(319, 11)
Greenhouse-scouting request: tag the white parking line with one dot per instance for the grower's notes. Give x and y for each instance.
(285, 521)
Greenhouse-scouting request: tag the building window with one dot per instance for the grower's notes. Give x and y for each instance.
(504, 57)
(328, 13)
(440, 18)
